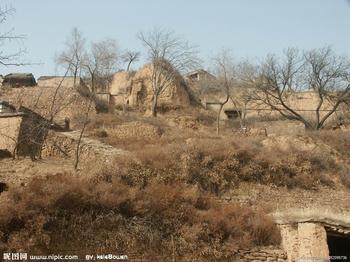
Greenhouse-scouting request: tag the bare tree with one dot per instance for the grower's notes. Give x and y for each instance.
(9, 59)
(130, 57)
(101, 62)
(54, 108)
(85, 122)
(168, 55)
(225, 80)
(243, 92)
(73, 56)
(319, 70)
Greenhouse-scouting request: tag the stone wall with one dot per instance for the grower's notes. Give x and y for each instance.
(260, 255)
(94, 152)
(32, 135)
(304, 241)
(60, 145)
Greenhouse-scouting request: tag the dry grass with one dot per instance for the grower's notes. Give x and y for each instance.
(337, 139)
(217, 165)
(160, 220)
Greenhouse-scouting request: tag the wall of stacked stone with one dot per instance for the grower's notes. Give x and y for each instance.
(261, 255)
(59, 145)
(64, 144)
(304, 240)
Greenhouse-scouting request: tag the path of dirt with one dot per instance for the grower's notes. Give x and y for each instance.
(97, 146)
(19, 171)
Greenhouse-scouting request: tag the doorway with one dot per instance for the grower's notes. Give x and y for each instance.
(338, 245)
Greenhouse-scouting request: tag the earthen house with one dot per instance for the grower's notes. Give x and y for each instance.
(134, 89)
(18, 80)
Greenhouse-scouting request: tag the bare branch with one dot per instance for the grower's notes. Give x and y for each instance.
(169, 56)
(130, 57)
(320, 71)
(11, 59)
(73, 56)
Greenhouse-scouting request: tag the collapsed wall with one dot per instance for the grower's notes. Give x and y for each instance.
(64, 144)
(134, 89)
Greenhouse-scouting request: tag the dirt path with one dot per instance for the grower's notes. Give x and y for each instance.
(19, 171)
(97, 146)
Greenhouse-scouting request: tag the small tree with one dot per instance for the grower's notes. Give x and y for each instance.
(101, 62)
(85, 121)
(225, 80)
(243, 92)
(73, 56)
(319, 70)
(168, 55)
(130, 57)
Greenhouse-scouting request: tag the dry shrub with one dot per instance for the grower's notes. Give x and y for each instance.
(100, 133)
(160, 220)
(345, 179)
(337, 139)
(109, 120)
(219, 165)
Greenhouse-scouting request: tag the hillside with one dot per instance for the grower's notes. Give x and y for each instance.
(174, 188)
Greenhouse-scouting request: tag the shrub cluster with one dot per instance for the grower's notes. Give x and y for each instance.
(161, 220)
(217, 170)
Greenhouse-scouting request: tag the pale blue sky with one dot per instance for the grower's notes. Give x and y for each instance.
(250, 28)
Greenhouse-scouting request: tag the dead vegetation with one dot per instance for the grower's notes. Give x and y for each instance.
(337, 139)
(161, 220)
(219, 169)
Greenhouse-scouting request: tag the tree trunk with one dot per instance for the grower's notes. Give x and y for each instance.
(93, 83)
(75, 77)
(128, 67)
(154, 105)
(309, 126)
(77, 152)
(218, 119)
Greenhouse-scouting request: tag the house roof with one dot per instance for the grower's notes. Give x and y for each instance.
(52, 77)
(18, 75)
(199, 71)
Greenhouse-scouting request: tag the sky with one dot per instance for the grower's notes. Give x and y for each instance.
(251, 29)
